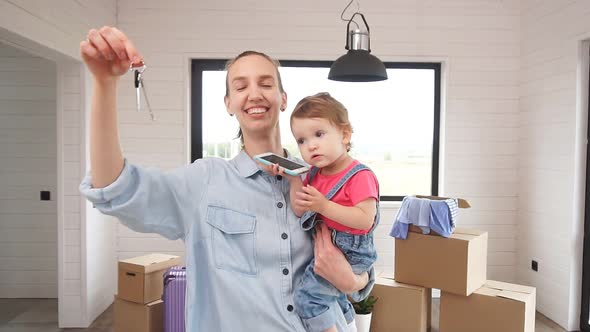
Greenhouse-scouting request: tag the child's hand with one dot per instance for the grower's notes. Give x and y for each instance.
(311, 199)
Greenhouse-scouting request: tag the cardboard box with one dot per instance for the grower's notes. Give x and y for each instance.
(457, 264)
(497, 306)
(140, 278)
(401, 307)
(135, 317)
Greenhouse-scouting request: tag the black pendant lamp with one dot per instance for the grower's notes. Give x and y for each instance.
(358, 64)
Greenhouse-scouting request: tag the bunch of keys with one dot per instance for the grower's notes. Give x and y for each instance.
(138, 69)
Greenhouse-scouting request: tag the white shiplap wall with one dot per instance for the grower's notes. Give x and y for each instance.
(28, 164)
(478, 41)
(54, 30)
(547, 228)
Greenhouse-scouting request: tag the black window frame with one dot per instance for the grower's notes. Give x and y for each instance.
(200, 65)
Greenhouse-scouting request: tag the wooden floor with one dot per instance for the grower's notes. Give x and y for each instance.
(40, 315)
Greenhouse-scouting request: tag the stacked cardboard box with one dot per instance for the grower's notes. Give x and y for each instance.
(400, 307)
(456, 265)
(138, 307)
(497, 306)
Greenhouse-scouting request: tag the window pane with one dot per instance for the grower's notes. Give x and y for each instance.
(219, 129)
(393, 122)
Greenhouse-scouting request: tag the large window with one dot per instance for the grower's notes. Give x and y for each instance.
(395, 122)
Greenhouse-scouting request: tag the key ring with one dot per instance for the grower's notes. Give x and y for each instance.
(138, 69)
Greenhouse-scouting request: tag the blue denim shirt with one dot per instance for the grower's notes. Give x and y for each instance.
(245, 250)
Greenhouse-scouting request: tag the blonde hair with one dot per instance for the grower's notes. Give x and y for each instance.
(322, 105)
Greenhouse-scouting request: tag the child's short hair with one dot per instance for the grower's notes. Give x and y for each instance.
(324, 106)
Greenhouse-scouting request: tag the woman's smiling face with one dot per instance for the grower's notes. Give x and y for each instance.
(254, 95)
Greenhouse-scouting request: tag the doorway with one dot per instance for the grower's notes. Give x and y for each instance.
(28, 172)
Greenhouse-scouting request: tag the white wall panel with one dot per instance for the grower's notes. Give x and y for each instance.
(28, 165)
(551, 36)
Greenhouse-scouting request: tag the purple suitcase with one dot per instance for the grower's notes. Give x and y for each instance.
(174, 297)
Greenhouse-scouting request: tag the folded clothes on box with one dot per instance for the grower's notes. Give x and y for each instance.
(428, 213)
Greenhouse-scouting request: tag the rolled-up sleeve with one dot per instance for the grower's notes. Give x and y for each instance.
(149, 200)
(102, 197)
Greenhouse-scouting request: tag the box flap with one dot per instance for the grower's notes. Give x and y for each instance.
(506, 290)
(468, 231)
(522, 297)
(487, 291)
(156, 302)
(149, 263)
(463, 204)
(458, 233)
(511, 287)
(388, 281)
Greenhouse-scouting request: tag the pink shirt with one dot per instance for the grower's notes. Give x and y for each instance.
(361, 186)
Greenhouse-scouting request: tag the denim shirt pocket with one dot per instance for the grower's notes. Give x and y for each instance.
(233, 240)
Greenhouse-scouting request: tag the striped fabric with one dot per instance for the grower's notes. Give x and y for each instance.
(174, 299)
(454, 208)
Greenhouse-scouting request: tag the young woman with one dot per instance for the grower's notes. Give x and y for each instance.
(245, 250)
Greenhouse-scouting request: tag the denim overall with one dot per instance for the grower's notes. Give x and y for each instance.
(315, 295)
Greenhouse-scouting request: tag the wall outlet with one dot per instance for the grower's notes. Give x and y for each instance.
(45, 195)
(534, 265)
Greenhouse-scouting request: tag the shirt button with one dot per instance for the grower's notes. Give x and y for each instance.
(280, 205)
(279, 177)
(285, 271)
(289, 308)
(284, 236)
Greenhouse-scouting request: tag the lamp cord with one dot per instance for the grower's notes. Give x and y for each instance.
(358, 7)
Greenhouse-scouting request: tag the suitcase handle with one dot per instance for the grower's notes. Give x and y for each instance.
(169, 277)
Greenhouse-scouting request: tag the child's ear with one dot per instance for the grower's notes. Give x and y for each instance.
(346, 136)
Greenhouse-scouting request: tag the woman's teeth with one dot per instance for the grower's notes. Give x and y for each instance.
(256, 110)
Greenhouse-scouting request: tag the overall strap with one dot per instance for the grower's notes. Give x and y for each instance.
(308, 218)
(344, 179)
(312, 172)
